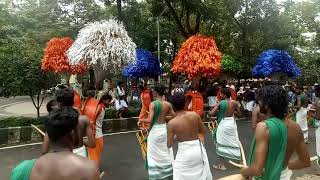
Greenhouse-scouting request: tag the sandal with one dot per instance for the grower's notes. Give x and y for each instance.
(223, 168)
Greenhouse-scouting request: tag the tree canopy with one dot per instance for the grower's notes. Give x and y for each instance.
(242, 29)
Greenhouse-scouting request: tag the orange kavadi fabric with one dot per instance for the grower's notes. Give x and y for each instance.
(55, 58)
(198, 56)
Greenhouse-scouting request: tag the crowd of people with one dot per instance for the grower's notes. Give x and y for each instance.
(279, 116)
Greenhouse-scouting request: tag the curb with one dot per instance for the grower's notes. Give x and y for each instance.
(11, 104)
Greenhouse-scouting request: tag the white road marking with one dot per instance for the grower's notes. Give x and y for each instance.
(22, 145)
(3, 106)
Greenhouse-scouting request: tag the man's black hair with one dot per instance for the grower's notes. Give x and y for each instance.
(276, 98)
(178, 101)
(65, 97)
(51, 104)
(160, 89)
(61, 122)
(226, 91)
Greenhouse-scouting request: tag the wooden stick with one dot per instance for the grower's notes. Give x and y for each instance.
(101, 175)
(244, 160)
(243, 155)
(236, 164)
(39, 130)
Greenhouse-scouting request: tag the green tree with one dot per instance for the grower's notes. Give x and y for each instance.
(20, 72)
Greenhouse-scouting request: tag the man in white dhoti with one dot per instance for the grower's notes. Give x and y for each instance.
(228, 144)
(121, 104)
(302, 114)
(191, 162)
(159, 156)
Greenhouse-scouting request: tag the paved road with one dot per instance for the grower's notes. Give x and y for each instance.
(5, 101)
(20, 106)
(122, 158)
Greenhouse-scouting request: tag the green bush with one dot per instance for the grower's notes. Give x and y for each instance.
(110, 113)
(21, 121)
(135, 104)
(27, 121)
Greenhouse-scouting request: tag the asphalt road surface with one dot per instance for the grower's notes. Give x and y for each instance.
(122, 158)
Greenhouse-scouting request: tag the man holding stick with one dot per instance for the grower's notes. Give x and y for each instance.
(275, 139)
(60, 163)
(159, 156)
(64, 98)
(191, 162)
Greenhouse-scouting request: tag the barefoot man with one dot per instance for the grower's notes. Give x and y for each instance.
(159, 156)
(60, 163)
(228, 144)
(191, 161)
(275, 139)
(64, 98)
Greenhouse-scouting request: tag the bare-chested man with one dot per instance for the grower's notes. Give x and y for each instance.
(64, 98)
(61, 164)
(228, 144)
(275, 139)
(191, 161)
(159, 156)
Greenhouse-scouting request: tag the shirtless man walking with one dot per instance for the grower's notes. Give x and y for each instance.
(159, 156)
(228, 144)
(61, 163)
(191, 161)
(64, 98)
(276, 139)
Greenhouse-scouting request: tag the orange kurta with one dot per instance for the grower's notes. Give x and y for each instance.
(93, 109)
(95, 153)
(197, 102)
(145, 100)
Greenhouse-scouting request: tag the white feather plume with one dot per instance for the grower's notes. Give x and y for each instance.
(104, 43)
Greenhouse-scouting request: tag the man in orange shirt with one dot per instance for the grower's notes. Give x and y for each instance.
(146, 98)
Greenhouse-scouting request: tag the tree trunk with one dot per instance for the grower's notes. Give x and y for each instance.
(119, 10)
(38, 112)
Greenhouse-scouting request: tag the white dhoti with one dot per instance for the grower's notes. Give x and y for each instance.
(301, 118)
(159, 156)
(191, 162)
(81, 151)
(286, 174)
(250, 105)
(228, 144)
(121, 104)
(318, 137)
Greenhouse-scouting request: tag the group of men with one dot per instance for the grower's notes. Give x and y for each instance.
(71, 140)
(276, 138)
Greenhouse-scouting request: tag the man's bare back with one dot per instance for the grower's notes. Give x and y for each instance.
(187, 126)
(296, 144)
(166, 109)
(64, 166)
(232, 107)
